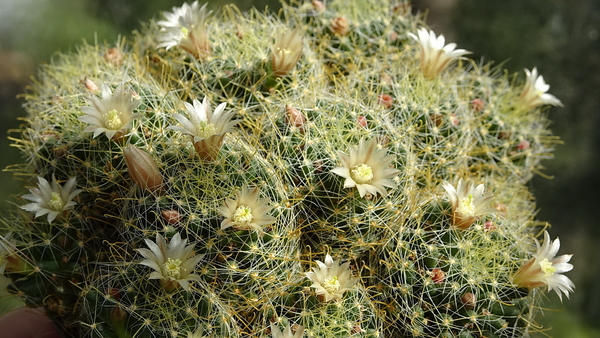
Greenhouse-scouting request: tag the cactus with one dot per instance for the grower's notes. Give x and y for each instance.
(332, 171)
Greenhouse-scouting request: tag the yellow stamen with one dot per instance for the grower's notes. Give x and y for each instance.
(172, 268)
(547, 267)
(56, 202)
(242, 215)
(113, 120)
(361, 173)
(331, 284)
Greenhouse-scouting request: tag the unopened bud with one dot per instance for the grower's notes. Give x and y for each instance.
(468, 300)
(90, 85)
(114, 56)
(340, 26)
(171, 216)
(142, 169)
(477, 105)
(362, 121)
(318, 6)
(386, 100)
(294, 117)
(438, 275)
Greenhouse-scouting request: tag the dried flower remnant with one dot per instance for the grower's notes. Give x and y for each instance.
(247, 211)
(142, 169)
(534, 92)
(51, 199)
(545, 269)
(367, 168)
(469, 203)
(435, 56)
(207, 128)
(113, 115)
(186, 27)
(172, 264)
(331, 279)
(286, 51)
(340, 26)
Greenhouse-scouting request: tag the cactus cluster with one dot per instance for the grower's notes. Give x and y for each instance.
(331, 171)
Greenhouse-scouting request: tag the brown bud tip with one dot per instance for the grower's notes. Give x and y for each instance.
(438, 275)
(386, 100)
(468, 300)
(90, 85)
(477, 105)
(294, 117)
(340, 25)
(318, 6)
(114, 56)
(172, 217)
(142, 169)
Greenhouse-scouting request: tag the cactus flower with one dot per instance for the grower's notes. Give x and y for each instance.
(287, 332)
(469, 203)
(367, 168)
(206, 128)
(246, 212)
(544, 269)
(51, 199)
(185, 27)
(142, 169)
(172, 264)
(435, 57)
(286, 51)
(331, 279)
(113, 115)
(534, 92)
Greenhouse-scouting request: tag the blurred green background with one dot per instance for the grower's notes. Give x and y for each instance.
(559, 37)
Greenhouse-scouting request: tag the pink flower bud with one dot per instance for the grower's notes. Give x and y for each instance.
(142, 169)
(477, 105)
(438, 275)
(523, 145)
(386, 100)
(294, 117)
(362, 121)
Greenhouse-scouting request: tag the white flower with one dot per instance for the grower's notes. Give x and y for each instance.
(51, 199)
(286, 51)
(367, 168)
(172, 264)
(287, 332)
(469, 203)
(544, 269)
(534, 92)
(113, 115)
(206, 128)
(185, 27)
(246, 212)
(435, 57)
(331, 279)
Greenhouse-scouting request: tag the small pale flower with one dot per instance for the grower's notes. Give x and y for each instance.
(331, 279)
(468, 201)
(287, 332)
(544, 269)
(172, 264)
(51, 199)
(435, 57)
(113, 115)
(206, 128)
(534, 92)
(367, 168)
(247, 211)
(286, 51)
(185, 27)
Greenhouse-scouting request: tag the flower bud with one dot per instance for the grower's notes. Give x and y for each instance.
(340, 26)
(142, 169)
(468, 300)
(286, 51)
(318, 6)
(114, 56)
(386, 100)
(294, 117)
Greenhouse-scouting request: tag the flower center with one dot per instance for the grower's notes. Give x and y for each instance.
(113, 120)
(184, 31)
(242, 215)
(547, 267)
(172, 268)
(466, 206)
(56, 202)
(361, 173)
(205, 130)
(331, 284)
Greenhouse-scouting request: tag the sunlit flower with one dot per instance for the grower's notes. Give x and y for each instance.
(142, 169)
(331, 279)
(185, 27)
(113, 115)
(534, 92)
(287, 332)
(247, 211)
(544, 269)
(469, 202)
(367, 168)
(286, 51)
(172, 263)
(435, 57)
(51, 199)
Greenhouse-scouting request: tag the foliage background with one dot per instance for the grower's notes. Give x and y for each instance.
(561, 38)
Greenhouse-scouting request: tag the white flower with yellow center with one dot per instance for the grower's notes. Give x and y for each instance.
(468, 201)
(51, 199)
(286, 51)
(331, 279)
(247, 211)
(435, 56)
(534, 92)
(544, 269)
(113, 115)
(206, 128)
(185, 27)
(172, 264)
(287, 332)
(367, 168)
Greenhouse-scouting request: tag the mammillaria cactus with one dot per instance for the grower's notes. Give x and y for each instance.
(336, 190)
